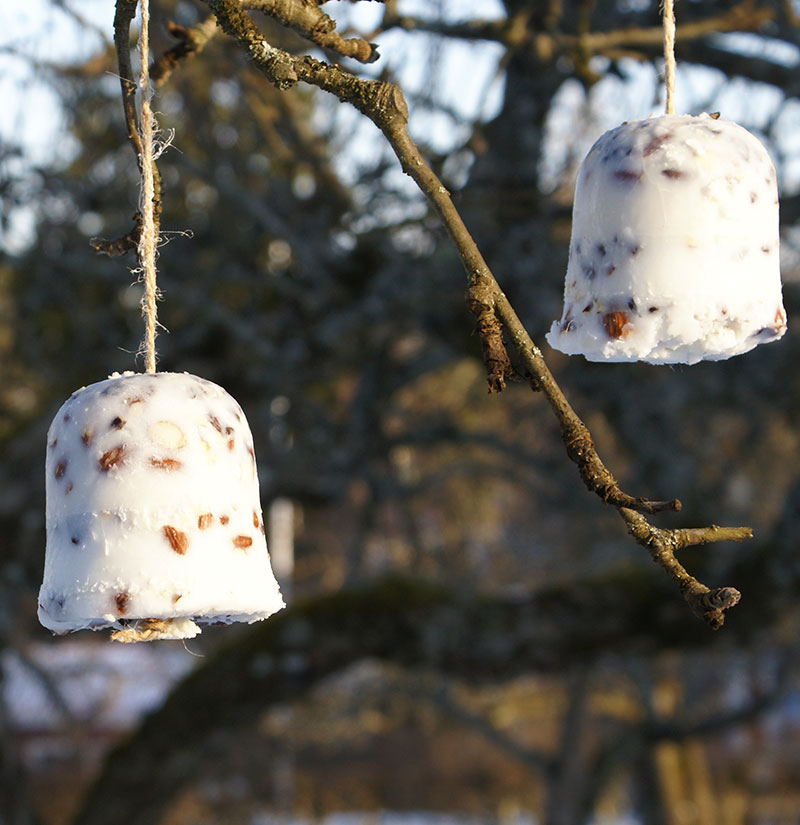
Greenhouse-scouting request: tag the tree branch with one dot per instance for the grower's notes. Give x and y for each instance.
(707, 604)
(515, 33)
(384, 105)
(742, 17)
(123, 17)
(309, 21)
(190, 43)
(124, 13)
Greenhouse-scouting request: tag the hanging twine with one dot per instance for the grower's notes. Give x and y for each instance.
(148, 238)
(669, 55)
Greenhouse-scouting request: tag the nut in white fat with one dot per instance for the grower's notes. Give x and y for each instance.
(154, 523)
(674, 256)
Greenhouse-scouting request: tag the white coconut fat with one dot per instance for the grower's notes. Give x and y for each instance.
(674, 255)
(154, 523)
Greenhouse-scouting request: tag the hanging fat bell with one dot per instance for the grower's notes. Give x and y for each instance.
(154, 522)
(674, 251)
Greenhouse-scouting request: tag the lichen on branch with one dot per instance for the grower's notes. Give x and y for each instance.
(307, 19)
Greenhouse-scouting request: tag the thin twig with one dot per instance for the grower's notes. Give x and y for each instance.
(309, 21)
(190, 43)
(707, 604)
(121, 245)
(123, 17)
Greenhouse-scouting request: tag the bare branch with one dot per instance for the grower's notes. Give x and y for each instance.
(490, 330)
(123, 16)
(709, 605)
(121, 245)
(309, 21)
(515, 33)
(190, 43)
(743, 17)
(383, 103)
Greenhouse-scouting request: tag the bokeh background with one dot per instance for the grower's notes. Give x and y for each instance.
(471, 637)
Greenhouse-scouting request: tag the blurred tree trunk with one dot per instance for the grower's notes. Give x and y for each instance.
(566, 785)
(407, 623)
(502, 204)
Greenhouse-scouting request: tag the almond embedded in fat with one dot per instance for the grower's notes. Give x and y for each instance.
(121, 601)
(165, 463)
(178, 540)
(616, 324)
(111, 458)
(166, 434)
(210, 452)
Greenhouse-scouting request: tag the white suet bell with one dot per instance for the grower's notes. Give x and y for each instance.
(154, 523)
(674, 254)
